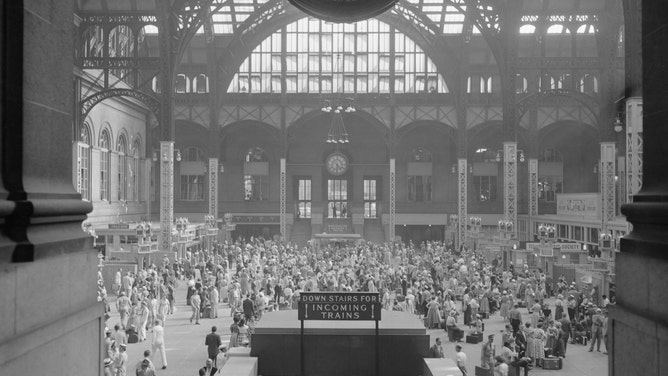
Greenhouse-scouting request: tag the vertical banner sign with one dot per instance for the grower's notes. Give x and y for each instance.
(213, 187)
(166, 194)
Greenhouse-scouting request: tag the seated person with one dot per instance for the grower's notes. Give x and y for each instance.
(501, 368)
(454, 333)
(579, 331)
(477, 326)
(512, 358)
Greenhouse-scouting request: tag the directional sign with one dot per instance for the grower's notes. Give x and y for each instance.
(355, 306)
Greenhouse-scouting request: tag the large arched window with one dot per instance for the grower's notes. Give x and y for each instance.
(122, 149)
(83, 162)
(368, 56)
(105, 144)
(256, 175)
(133, 171)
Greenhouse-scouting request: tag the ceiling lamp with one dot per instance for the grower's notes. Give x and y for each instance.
(337, 130)
(343, 11)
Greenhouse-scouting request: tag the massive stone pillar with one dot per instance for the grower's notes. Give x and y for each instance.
(639, 320)
(48, 266)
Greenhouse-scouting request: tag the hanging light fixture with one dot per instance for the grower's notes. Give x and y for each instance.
(337, 130)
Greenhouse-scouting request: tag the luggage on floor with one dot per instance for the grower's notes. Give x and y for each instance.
(552, 363)
(474, 338)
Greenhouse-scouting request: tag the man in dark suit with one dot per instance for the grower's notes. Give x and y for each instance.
(248, 307)
(213, 343)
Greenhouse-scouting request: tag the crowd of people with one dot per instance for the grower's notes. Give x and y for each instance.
(449, 289)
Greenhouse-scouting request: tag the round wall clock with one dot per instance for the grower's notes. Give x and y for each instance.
(337, 164)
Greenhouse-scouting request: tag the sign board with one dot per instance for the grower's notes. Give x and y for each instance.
(579, 204)
(119, 226)
(354, 306)
(337, 228)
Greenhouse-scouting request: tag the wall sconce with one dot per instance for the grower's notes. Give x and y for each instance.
(165, 157)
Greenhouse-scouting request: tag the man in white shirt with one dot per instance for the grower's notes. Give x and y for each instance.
(461, 360)
(158, 342)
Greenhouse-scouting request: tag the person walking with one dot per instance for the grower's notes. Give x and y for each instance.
(121, 361)
(487, 353)
(460, 358)
(213, 300)
(515, 318)
(158, 342)
(195, 302)
(123, 306)
(249, 308)
(213, 343)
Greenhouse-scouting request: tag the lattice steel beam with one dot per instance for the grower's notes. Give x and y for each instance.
(213, 187)
(166, 194)
(510, 183)
(283, 199)
(393, 199)
(462, 201)
(607, 180)
(634, 146)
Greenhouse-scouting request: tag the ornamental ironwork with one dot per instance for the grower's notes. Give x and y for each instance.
(89, 102)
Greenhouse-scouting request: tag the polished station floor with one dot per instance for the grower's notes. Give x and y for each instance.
(186, 352)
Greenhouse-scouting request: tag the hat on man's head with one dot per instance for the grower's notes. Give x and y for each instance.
(108, 361)
(123, 346)
(490, 336)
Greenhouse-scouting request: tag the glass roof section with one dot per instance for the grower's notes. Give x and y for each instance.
(448, 16)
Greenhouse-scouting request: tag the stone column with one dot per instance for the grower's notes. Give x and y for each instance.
(46, 259)
(639, 317)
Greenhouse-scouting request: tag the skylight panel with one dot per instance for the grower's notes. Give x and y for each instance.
(453, 28)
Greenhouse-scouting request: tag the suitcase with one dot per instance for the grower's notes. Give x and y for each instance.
(552, 363)
(474, 338)
(479, 371)
(133, 337)
(207, 313)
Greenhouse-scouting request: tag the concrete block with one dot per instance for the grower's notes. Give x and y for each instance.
(633, 270)
(7, 302)
(658, 281)
(239, 352)
(627, 341)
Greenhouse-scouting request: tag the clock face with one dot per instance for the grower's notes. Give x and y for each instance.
(337, 164)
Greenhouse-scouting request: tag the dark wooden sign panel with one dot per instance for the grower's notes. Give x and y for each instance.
(354, 306)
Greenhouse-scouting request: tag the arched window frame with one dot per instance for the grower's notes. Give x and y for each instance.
(83, 167)
(105, 147)
(122, 150)
(322, 57)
